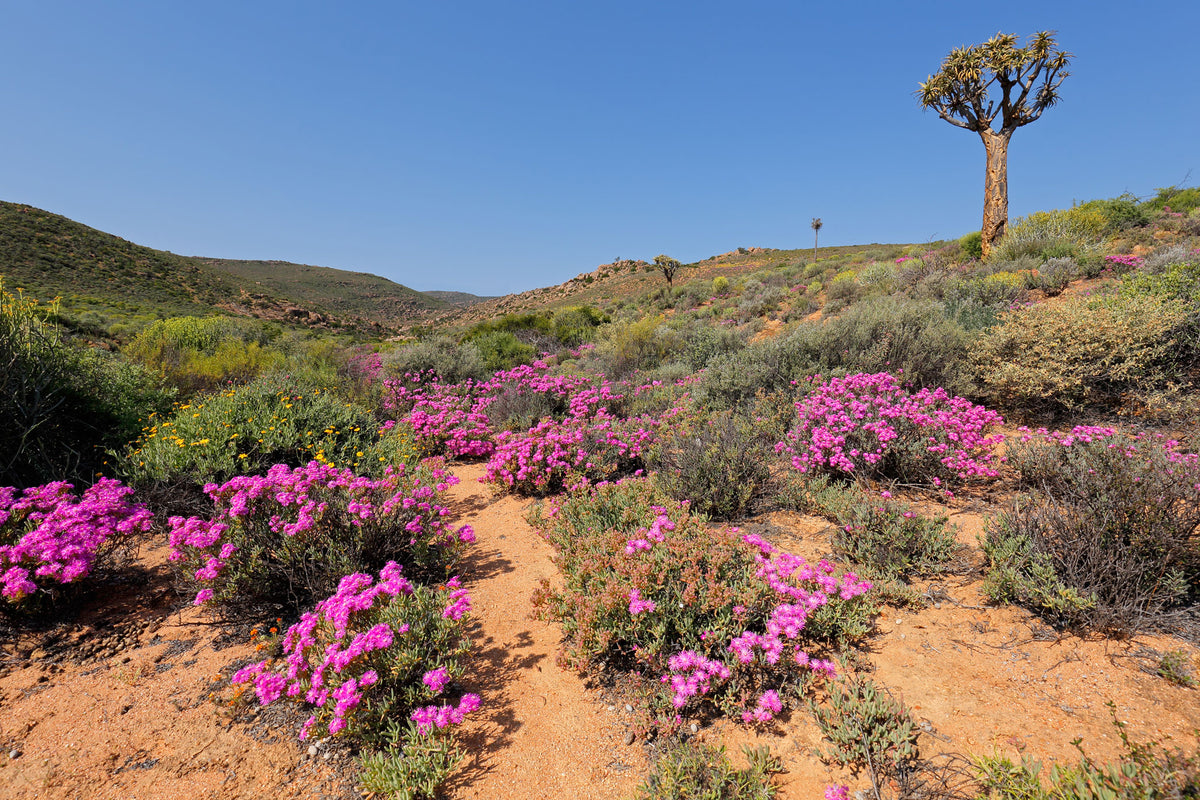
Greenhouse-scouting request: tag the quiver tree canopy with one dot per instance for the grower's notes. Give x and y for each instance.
(993, 89)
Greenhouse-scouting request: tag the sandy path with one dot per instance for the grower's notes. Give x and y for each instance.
(540, 733)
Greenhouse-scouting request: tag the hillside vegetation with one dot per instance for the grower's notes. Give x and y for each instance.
(848, 409)
(110, 287)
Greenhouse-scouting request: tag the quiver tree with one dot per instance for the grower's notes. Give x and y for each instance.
(816, 226)
(997, 83)
(668, 267)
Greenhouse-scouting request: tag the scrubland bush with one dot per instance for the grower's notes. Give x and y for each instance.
(1145, 771)
(972, 245)
(1108, 542)
(702, 343)
(869, 729)
(1053, 233)
(202, 353)
(999, 289)
(1081, 351)
(911, 338)
(61, 404)
(1054, 276)
(247, 429)
(720, 464)
(886, 539)
(725, 620)
(844, 287)
(642, 344)
(688, 770)
(1174, 280)
(450, 361)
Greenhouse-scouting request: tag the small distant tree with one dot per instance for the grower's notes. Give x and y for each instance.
(816, 226)
(997, 79)
(668, 267)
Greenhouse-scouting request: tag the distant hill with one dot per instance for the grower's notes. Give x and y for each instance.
(348, 296)
(460, 299)
(105, 282)
(627, 279)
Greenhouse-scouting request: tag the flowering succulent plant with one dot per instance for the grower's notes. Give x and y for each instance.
(48, 535)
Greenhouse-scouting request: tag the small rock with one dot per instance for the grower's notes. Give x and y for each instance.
(695, 728)
(14, 754)
(312, 750)
(937, 605)
(39, 654)
(612, 708)
(328, 754)
(628, 709)
(628, 738)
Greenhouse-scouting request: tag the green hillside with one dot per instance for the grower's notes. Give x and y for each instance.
(108, 287)
(99, 276)
(349, 296)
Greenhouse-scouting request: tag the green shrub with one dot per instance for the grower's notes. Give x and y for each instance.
(888, 539)
(1065, 233)
(1119, 213)
(642, 344)
(694, 771)
(1180, 201)
(442, 356)
(202, 353)
(1000, 289)
(911, 338)
(704, 342)
(247, 429)
(720, 285)
(868, 728)
(1078, 352)
(972, 245)
(1145, 771)
(1109, 542)
(1175, 281)
(62, 404)
(502, 350)
(720, 464)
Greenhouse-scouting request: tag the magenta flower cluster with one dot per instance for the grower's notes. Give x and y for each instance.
(50, 535)
(799, 588)
(330, 657)
(306, 501)
(597, 448)
(1126, 262)
(802, 589)
(865, 423)
(452, 418)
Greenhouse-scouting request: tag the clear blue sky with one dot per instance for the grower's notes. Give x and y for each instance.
(493, 147)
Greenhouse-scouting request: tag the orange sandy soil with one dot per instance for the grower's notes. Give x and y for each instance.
(117, 703)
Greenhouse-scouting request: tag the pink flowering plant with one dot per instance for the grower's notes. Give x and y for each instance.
(712, 618)
(51, 537)
(552, 455)
(289, 535)
(871, 426)
(377, 662)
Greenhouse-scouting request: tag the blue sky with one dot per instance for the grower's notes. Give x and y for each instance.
(496, 147)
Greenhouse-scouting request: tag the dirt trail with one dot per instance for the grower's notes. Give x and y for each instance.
(540, 732)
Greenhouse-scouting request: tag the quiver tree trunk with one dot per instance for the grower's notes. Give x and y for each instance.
(995, 188)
